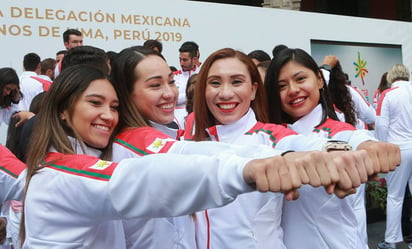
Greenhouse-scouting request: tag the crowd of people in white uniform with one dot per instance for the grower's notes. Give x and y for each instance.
(122, 150)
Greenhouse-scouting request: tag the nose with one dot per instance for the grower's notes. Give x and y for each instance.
(108, 114)
(169, 91)
(226, 91)
(293, 88)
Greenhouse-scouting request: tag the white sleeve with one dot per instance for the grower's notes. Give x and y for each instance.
(301, 143)
(382, 121)
(355, 137)
(365, 111)
(326, 75)
(7, 113)
(15, 191)
(213, 148)
(172, 185)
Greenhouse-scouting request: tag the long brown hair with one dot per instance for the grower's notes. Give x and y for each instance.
(124, 76)
(50, 131)
(203, 116)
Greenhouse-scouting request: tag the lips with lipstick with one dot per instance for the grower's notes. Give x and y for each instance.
(227, 107)
(297, 101)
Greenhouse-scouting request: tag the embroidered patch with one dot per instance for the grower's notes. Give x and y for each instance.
(100, 165)
(323, 132)
(158, 144)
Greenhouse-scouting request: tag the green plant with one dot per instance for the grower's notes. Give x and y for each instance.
(376, 193)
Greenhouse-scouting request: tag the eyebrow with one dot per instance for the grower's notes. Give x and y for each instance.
(98, 96)
(232, 76)
(157, 77)
(153, 77)
(293, 75)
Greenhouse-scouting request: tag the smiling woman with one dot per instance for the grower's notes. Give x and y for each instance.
(299, 97)
(95, 115)
(91, 198)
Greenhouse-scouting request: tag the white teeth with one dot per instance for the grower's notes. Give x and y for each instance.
(101, 127)
(169, 106)
(227, 106)
(297, 100)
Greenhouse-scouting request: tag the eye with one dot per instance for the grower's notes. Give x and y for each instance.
(115, 107)
(95, 102)
(172, 82)
(214, 83)
(154, 85)
(300, 79)
(237, 82)
(282, 85)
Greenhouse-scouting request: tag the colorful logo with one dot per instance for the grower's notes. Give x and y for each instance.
(101, 165)
(360, 68)
(158, 144)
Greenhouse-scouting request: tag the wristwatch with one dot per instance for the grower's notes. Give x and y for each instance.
(326, 67)
(335, 145)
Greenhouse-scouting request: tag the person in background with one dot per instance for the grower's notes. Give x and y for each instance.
(263, 67)
(60, 55)
(46, 75)
(71, 38)
(189, 62)
(154, 44)
(47, 69)
(30, 86)
(18, 137)
(190, 92)
(364, 112)
(258, 56)
(383, 85)
(277, 49)
(89, 55)
(111, 55)
(394, 125)
(10, 94)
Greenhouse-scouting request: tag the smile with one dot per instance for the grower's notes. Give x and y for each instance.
(227, 107)
(102, 127)
(297, 101)
(167, 106)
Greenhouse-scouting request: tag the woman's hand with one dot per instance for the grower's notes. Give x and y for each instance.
(385, 156)
(340, 172)
(23, 116)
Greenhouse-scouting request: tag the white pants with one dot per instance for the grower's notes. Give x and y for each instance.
(396, 182)
(360, 212)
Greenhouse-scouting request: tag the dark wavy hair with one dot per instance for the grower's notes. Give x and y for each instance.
(340, 95)
(278, 116)
(8, 76)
